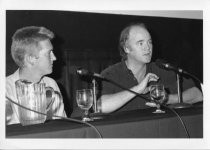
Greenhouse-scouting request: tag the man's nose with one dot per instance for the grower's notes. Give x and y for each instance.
(53, 58)
(148, 46)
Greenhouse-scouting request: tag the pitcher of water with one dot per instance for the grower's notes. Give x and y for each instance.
(32, 96)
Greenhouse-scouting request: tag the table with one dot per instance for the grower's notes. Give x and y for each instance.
(131, 124)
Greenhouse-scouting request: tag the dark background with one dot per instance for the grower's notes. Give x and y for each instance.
(90, 40)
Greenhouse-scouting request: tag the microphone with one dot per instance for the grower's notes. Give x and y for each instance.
(163, 64)
(84, 72)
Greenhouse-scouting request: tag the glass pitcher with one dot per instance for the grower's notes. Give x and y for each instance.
(32, 96)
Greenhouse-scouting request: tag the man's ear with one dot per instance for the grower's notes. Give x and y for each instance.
(126, 49)
(31, 60)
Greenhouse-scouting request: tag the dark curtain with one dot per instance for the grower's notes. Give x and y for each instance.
(90, 41)
(94, 60)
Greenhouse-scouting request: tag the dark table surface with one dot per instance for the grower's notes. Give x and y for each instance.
(119, 125)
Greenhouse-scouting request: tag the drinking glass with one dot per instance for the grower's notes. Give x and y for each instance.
(84, 99)
(158, 94)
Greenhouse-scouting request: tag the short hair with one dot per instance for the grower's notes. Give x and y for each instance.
(124, 37)
(26, 41)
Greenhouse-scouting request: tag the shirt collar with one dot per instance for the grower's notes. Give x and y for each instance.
(17, 74)
(148, 69)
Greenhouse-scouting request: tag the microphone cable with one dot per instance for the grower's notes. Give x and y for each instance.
(137, 94)
(65, 118)
(183, 124)
(148, 100)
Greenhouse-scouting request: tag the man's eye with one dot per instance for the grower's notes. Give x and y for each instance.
(140, 43)
(150, 42)
(47, 54)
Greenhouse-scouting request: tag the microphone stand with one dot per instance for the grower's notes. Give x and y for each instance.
(100, 115)
(180, 103)
(95, 108)
(96, 111)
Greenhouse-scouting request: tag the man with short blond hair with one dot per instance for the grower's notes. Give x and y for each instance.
(32, 51)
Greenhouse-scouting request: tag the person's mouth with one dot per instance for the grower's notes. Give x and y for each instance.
(147, 54)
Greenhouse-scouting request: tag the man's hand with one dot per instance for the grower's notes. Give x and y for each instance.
(143, 85)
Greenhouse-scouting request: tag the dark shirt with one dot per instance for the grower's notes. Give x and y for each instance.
(123, 76)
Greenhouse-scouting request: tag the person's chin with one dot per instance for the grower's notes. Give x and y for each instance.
(49, 71)
(148, 60)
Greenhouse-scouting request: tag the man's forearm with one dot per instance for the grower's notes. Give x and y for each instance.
(112, 102)
(191, 95)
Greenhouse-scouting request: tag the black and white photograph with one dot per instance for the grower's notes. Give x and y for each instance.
(104, 75)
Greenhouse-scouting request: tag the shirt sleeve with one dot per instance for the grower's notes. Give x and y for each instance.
(57, 107)
(169, 79)
(106, 87)
(9, 112)
(11, 109)
(188, 83)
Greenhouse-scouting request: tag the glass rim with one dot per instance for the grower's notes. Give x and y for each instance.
(82, 90)
(157, 85)
(25, 82)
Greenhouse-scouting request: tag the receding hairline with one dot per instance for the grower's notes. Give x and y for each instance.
(132, 27)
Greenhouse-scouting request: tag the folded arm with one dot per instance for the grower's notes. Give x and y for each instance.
(191, 95)
(111, 102)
